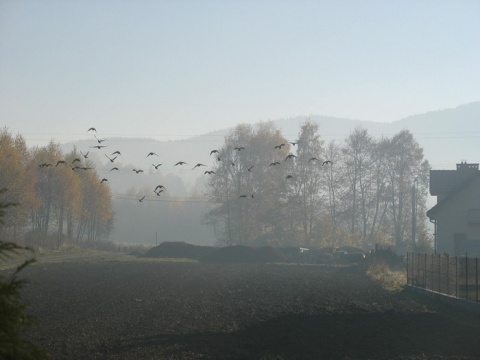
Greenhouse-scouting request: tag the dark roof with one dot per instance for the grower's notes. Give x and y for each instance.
(443, 182)
(452, 193)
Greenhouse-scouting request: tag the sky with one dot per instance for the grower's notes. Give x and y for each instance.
(175, 69)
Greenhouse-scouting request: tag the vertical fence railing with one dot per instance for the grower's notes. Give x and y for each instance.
(456, 276)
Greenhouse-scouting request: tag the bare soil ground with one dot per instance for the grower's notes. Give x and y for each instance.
(107, 309)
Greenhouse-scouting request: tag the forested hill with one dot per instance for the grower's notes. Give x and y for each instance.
(447, 137)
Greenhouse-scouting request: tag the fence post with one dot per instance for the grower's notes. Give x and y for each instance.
(448, 274)
(476, 279)
(456, 276)
(425, 272)
(466, 277)
(439, 274)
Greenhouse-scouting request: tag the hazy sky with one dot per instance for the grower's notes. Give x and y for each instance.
(171, 69)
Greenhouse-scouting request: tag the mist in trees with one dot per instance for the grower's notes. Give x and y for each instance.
(59, 195)
(289, 195)
(264, 189)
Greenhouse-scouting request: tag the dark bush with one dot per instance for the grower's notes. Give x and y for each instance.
(13, 317)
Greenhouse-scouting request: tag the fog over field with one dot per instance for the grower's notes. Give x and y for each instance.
(175, 78)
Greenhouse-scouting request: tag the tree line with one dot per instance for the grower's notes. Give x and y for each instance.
(59, 196)
(266, 190)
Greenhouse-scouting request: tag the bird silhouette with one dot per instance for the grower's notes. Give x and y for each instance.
(198, 165)
(116, 153)
(313, 159)
(209, 172)
(213, 152)
(250, 168)
(60, 162)
(158, 192)
(141, 199)
(156, 166)
(99, 140)
(327, 162)
(85, 155)
(293, 143)
(239, 148)
(98, 146)
(289, 177)
(180, 163)
(114, 168)
(111, 159)
(274, 163)
(137, 171)
(242, 196)
(232, 163)
(289, 157)
(161, 187)
(279, 146)
(92, 129)
(75, 160)
(45, 165)
(104, 180)
(150, 154)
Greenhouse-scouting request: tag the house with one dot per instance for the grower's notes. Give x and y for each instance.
(456, 215)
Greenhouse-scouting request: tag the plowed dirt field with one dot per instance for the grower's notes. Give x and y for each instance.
(186, 310)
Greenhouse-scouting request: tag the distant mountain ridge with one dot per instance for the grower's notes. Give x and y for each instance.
(447, 137)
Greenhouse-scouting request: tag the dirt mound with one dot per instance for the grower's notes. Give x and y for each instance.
(244, 254)
(179, 249)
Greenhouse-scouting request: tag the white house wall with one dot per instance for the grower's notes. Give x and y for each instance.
(452, 217)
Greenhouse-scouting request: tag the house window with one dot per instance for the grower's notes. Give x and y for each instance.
(474, 217)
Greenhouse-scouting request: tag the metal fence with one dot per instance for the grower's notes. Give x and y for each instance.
(456, 276)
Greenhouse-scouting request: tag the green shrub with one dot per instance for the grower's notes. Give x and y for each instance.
(13, 317)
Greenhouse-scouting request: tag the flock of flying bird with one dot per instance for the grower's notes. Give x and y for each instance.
(160, 188)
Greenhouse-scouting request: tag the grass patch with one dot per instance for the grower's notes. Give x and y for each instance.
(391, 280)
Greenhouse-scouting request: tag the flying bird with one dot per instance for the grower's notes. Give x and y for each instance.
(98, 146)
(92, 129)
(161, 187)
(209, 172)
(156, 166)
(60, 162)
(116, 153)
(158, 192)
(274, 163)
(293, 143)
(45, 165)
(279, 146)
(111, 159)
(150, 154)
(198, 165)
(137, 171)
(327, 162)
(76, 160)
(115, 168)
(104, 180)
(180, 163)
(141, 199)
(313, 159)
(213, 152)
(85, 155)
(289, 177)
(239, 148)
(251, 167)
(99, 140)
(289, 157)
(242, 196)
